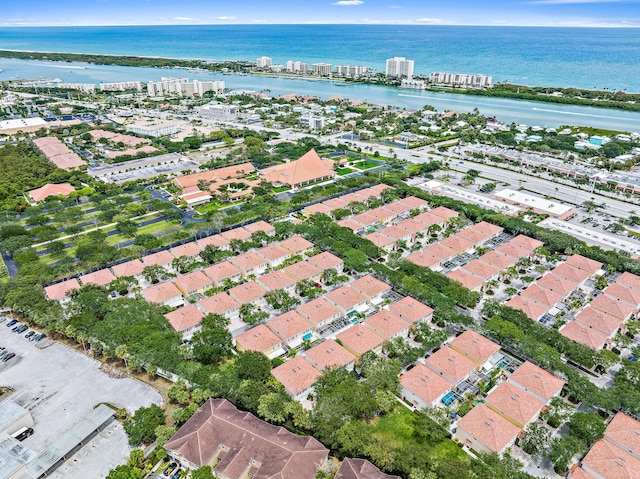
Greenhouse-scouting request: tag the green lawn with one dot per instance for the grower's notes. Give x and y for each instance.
(365, 164)
(344, 171)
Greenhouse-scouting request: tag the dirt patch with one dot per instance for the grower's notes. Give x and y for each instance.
(112, 372)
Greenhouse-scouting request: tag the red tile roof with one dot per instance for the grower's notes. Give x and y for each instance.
(584, 334)
(411, 310)
(614, 307)
(513, 403)
(276, 280)
(573, 274)
(162, 292)
(597, 319)
(628, 295)
(499, 259)
(193, 281)
(370, 286)
(387, 324)
(474, 346)
(309, 167)
(482, 270)
(102, 277)
(184, 318)
(302, 270)
(360, 339)
(611, 462)
(466, 279)
(425, 383)
(527, 242)
(318, 310)
(537, 381)
(557, 283)
(329, 354)
(360, 469)
(296, 244)
(345, 297)
(247, 292)
(542, 295)
(49, 189)
(296, 375)
(451, 363)
(624, 430)
(259, 338)
(585, 264)
(220, 303)
(221, 271)
(161, 258)
(187, 249)
(130, 268)
(529, 307)
(488, 428)
(61, 290)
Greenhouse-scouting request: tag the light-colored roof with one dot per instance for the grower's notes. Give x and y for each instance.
(102, 277)
(162, 292)
(259, 338)
(288, 325)
(597, 319)
(498, 258)
(130, 268)
(512, 402)
(481, 269)
(611, 462)
(413, 202)
(574, 274)
(221, 271)
(325, 260)
(247, 292)
(628, 295)
(49, 189)
(247, 261)
(302, 270)
(260, 225)
(439, 251)
(370, 286)
(584, 334)
(234, 171)
(536, 380)
(444, 212)
(465, 278)
(345, 297)
(625, 430)
(387, 324)
(309, 167)
(237, 234)
(329, 354)
(296, 375)
(60, 290)
(160, 258)
(218, 241)
(276, 280)
(488, 428)
(273, 252)
(585, 264)
(475, 346)
(187, 249)
(184, 318)
(296, 244)
(193, 281)
(318, 310)
(360, 339)
(411, 310)
(220, 303)
(529, 307)
(425, 383)
(454, 365)
(542, 295)
(513, 249)
(527, 242)
(557, 283)
(614, 307)
(629, 279)
(428, 218)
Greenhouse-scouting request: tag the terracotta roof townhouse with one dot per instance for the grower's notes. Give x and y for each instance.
(624, 431)
(102, 277)
(499, 259)
(241, 445)
(467, 279)
(217, 241)
(536, 381)
(239, 234)
(318, 208)
(233, 171)
(572, 273)
(59, 291)
(450, 364)
(614, 307)
(358, 339)
(346, 299)
(297, 376)
(607, 461)
(397, 233)
(476, 237)
(335, 203)
(326, 260)
(187, 249)
(514, 404)
(164, 293)
(376, 190)
(303, 270)
(514, 250)
(291, 327)
(414, 227)
(274, 254)
(422, 386)
(440, 252)
(352, 224)
(488, 229)
(475, 347)
(584, 334)
(320, 312)
(130, 268)
(250, 263)
(306, 169)
(411, 310)
(444, 213)
(483, 270)
(221, 271)
(221, 304)
(360, 469)
(192, 283)
(527, 242)
(458, 243)
(424, 259)
(372, 288)
(557, 283)
(384, 215)
(185, 320)
(580, 473)
(297, 245)
(484, 430)
(585, 264)
(249, 292)
(542, 295)
(260, 226)
(60, 189)
(277, 280)
(628, 295)
(388, 325)
(329, 354)
(602, 321)
(413, 203)
(161, 258)
(629, 280)
(533, 310)
(260, 339)
(428, 219)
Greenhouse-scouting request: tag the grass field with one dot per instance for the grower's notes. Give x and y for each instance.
(344, 171)
(365, 164)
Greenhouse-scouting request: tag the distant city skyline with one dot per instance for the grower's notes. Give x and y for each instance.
(567, 13)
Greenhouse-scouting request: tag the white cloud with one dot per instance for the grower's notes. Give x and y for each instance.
(226, 17)
(348, 3)
(429, 21)
(183, 19)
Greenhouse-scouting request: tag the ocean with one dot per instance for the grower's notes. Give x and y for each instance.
(599, 58)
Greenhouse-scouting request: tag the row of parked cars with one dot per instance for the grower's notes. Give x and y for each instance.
(21, 328)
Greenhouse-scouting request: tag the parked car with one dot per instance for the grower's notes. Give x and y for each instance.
(30, 334)
(15, 328)
(176, 475)
(22, 328)
(40, 337)
(169, 469)
(9, 356)
(11, 323)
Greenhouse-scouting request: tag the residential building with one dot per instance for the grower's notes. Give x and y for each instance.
(359, 339)
(514, 404)
(321, 69)
(274, 254)
(450, 364)
(536, 381)
(348, 300)
(102, 277)
(613, 306)
(261, 339)
(571, 273)
(460, 79)
(165, 294)
(222, 304)
(217, 111)
(249, 292)
(60, 291)
(351, 71)
(239, 445)
(297, 376)
(161, 258)
(558, 284)
(590, 266)
(484, 430)
(585, 334)
(185, 320)
(532, 309)
(42, 193)
(263, 62)
(297, 67)
(193, 283)
(250, 263)
(222, 271)
(412, 84)
(132, 268)
(292, 328)
(277, 280)
(187, 249)
(309, 168)
(58, 153)
(542, 295)
(399, 67)
(605, 460)
(412, 311)
(303, 270)
(372, 288)
(360, 469)
(182, 87)
(260, 225)
(608, 324)
(320, 312)
(388, 325)
(467, 279)
(121, 86)
(423, 387)
(475, 347)
(329, 354)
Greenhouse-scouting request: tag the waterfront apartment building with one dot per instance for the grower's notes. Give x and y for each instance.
(321, 69)
(412, 84)
(352, 71)
(263, 62)
(399, 67)
(220, 111)
(121, 86)
(461, 79)
(183, 87)
(296, 67)
(82, 87)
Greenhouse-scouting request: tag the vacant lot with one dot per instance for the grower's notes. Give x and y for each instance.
(60, 387)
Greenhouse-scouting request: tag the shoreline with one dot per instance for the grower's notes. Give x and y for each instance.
(597, 98)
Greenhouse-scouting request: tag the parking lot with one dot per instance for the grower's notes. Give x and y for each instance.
(60, 387)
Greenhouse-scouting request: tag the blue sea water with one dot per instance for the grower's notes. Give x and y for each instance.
(601, 58)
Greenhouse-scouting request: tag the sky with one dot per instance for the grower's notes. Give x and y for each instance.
(599, 13)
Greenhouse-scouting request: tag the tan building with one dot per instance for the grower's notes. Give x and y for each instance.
(297, 376)
(422, 386)
(329, 354)
(260, 339)
(193, 283)
(320, 312)
(484, 430)
(359, 339)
